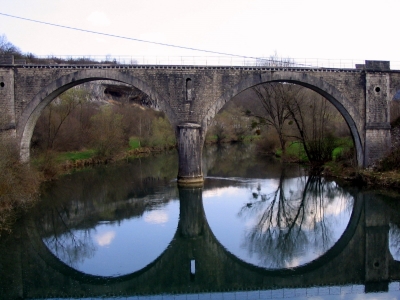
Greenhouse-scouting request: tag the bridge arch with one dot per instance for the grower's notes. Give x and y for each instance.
(346, 108)
(31, 113)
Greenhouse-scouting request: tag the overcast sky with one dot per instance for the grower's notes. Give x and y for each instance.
(349, 29)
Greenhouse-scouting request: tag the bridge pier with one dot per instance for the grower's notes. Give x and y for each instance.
(376, 245)
(191, 213)
(190, 149)
(377, 116)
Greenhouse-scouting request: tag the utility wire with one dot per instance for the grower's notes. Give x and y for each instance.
(129, 38)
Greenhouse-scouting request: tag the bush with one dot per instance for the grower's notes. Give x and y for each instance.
(107, 133)
(390, 162)
(162, 134)
(19, 186)
(268, 143)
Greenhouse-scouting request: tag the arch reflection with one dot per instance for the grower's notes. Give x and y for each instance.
(105, 228)
(278, 223)
(282, 222)
(214, 267)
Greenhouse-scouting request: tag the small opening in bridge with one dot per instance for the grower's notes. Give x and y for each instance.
(189, 89)
(377, 89)
(2, 84)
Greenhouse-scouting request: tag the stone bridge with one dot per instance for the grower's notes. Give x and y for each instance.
(361, 256)
(191, 96)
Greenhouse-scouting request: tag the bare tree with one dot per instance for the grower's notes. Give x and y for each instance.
(6, 47)
(313, 117)
(275, 60)
(274, 98)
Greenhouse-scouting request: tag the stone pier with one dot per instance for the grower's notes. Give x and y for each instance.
(190, 151)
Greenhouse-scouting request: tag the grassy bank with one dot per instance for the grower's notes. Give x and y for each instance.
(343, 149)
(52, 163)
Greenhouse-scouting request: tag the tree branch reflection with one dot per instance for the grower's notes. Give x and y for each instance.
(69, 245)
(296, 222)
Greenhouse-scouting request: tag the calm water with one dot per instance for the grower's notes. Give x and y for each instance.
(257, 229)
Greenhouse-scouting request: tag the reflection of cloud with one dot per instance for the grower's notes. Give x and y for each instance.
(294, 262)
(105, 238)
(220, 191)
(98, 18)
(156, 217)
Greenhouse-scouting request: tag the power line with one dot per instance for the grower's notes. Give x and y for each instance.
(128, 38)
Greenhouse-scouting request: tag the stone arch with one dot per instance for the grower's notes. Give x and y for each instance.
(33, 110)
(332, 94)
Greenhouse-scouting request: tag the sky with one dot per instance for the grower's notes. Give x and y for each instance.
(312, 29)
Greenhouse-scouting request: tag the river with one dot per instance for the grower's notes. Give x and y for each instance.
(257, 229)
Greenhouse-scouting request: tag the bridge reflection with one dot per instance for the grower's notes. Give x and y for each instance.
(196, 262)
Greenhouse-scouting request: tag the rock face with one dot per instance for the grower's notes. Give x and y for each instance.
(106, 91)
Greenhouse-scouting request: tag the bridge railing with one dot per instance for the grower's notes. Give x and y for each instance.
(199, 61)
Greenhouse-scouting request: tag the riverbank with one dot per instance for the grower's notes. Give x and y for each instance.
(53, 164)
(337, 168)
(363, 177)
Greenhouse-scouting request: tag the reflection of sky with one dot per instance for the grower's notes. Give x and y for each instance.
(394, 241)
(125, 247)
(223, 206)
(105, 238)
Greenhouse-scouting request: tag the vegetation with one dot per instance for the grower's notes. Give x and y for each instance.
(7, 48)
(289, 113)
(74, 124)
(19, 186)
(231, 125)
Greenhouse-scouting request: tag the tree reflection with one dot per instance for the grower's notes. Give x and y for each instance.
(296, 222)
(71, 246)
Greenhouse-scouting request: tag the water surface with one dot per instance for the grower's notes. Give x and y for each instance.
(257, 228)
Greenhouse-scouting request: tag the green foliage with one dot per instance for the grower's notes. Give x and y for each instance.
(344, 149)
(296, 151)
(75, 155)
(134, 143)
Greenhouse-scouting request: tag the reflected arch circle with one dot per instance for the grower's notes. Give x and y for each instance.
(61, 267)
(35, 107)
(329, 255)
(347, 109)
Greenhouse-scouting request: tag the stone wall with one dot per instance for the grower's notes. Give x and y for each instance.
(7, 114)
